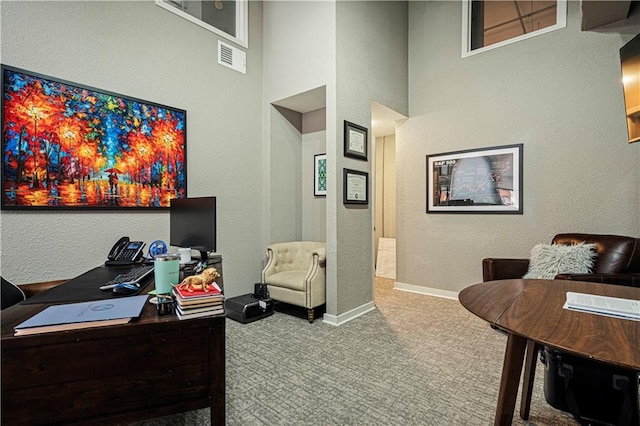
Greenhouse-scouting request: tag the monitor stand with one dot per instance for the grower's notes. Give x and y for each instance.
(204, 259)
(204, 255)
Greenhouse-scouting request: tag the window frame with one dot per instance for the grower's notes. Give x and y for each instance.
(561, 22)
(242, 21)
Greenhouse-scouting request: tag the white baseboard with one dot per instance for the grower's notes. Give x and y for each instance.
(425, 290)
(348, 316)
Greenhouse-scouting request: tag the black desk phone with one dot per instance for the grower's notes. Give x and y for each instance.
(125, 252)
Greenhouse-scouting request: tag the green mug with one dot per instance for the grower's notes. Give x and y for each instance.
(166, 271)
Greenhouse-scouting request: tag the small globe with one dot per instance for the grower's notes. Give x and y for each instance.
(157, 247)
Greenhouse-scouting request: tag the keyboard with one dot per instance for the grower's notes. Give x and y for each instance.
(133, 276)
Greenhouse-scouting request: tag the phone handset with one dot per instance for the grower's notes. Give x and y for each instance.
(125, 252)
(117, 248)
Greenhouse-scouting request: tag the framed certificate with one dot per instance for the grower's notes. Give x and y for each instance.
(355, 141)
(356, 187)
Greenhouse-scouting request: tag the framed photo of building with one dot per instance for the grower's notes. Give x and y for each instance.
(484, 180)
(68, 146)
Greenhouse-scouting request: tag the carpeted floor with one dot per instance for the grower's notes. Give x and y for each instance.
(416, 360)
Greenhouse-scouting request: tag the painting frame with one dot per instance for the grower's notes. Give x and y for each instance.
(356, 140)
(482, 180)
(70, 146)
(320, 175)
(356, 187)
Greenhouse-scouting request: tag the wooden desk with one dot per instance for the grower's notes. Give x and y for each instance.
(531, 312)
(154, 366)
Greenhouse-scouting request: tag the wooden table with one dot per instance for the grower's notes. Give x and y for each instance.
(154, 366)
(531, 312)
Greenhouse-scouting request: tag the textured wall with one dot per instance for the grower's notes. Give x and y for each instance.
(311, 44)
(141, 50)
(285, 195)
(299, 55)
(314, 208)
(560, 95)
(371, 65)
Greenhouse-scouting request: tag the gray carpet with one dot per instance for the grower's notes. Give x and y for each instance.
(416, 360)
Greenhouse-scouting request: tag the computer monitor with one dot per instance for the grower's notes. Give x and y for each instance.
(192, 224)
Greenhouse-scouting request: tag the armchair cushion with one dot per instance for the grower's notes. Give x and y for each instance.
(549, 260)
(293, 279)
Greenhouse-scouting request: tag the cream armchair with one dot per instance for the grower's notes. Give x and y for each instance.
(295, 274)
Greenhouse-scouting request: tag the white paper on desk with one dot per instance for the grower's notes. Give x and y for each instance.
(99, 310)
(603, 305)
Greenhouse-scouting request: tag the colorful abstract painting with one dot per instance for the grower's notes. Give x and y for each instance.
(68, 146)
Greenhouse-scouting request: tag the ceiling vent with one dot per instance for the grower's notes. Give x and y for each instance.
(232, 57)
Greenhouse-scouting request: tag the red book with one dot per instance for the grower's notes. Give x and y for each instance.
(183, 292)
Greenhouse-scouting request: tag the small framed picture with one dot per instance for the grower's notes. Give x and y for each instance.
(356, 187)
(320, 175)
(355, 141)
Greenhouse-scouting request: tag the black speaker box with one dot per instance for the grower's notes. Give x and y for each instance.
(247, 308)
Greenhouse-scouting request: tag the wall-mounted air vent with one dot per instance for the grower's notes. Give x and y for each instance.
(231, 57)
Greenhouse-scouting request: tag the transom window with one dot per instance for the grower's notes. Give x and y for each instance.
(227, 18)
(488, 24)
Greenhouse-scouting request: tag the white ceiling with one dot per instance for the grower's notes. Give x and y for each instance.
(383, 120)
(305, 102)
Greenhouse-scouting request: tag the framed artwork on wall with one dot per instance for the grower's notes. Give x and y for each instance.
(356, 187)
(355, 141)
(320, 175)
(484, 180)
(67, 146)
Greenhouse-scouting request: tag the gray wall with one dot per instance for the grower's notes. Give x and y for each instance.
(285, 195)
(139, 49)
(560, 95)
(314, 208)
(371, 65)
(298, 57)
(314, 44)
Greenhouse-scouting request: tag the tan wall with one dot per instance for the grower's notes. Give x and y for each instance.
(385, 173)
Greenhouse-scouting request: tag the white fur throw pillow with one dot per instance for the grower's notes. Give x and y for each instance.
(549, 260)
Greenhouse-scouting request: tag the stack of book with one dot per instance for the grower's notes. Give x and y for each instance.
(198, 302)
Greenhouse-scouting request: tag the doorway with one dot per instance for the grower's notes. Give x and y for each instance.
(383, 124)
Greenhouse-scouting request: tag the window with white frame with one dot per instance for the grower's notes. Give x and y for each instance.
(488, 24)
(227, 18)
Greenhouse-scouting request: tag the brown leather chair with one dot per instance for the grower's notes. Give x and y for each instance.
(618, 261)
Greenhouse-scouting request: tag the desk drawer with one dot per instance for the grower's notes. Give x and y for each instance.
(107, 376)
